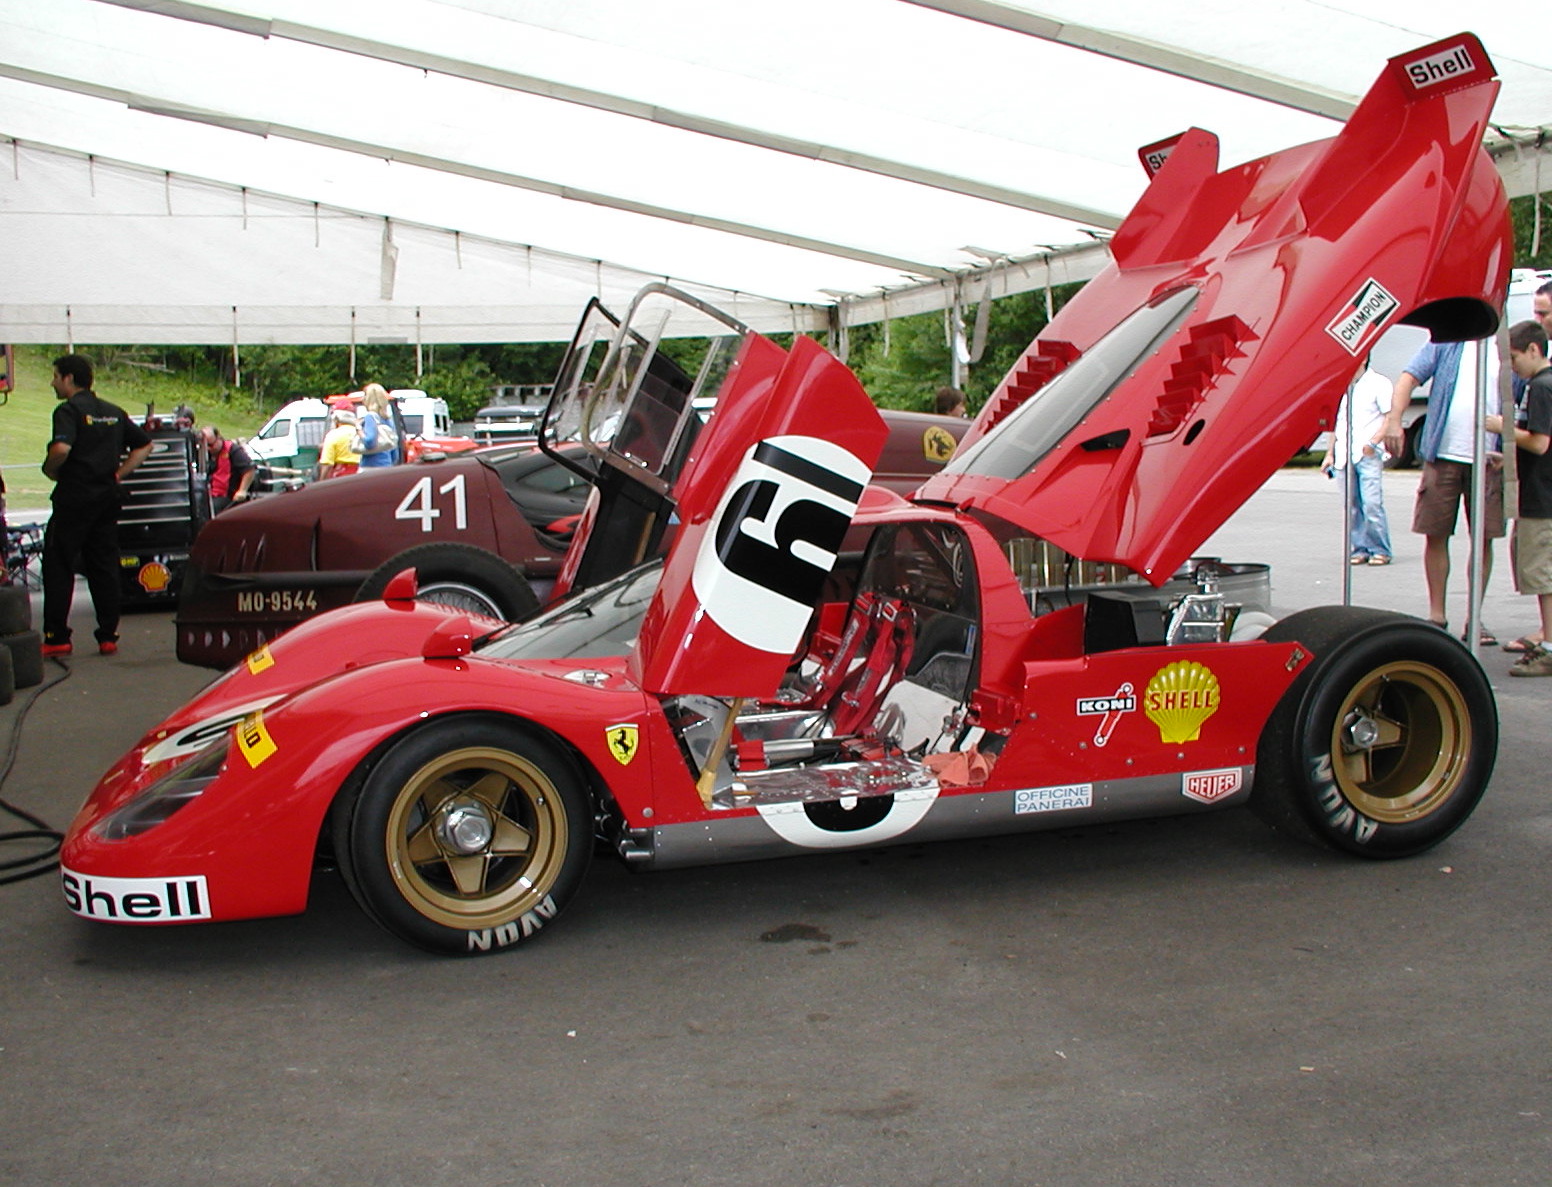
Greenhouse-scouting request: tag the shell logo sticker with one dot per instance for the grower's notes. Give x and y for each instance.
(259, 660)
(1179, 698)
(623, 740)
(253, 739)
(938, 444)
(153, 577)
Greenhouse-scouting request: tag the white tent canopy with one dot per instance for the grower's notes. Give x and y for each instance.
(304, 171)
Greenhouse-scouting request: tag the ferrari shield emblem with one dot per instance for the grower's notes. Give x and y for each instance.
(622, 740)
(938, 444)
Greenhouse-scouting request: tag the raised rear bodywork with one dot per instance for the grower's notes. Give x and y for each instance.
(825, 665)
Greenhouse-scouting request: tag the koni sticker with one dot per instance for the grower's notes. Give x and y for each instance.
(253, 739)
(1053, 799)
(623, 740)
(1108, 710)
(1179, 698)
(1208, 787)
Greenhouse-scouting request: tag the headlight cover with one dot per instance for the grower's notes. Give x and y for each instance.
(176, 789)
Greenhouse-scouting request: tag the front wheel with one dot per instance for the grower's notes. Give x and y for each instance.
(1385, 742)
(468, 836)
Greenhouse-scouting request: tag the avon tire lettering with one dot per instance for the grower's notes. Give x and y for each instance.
(1341, 816)
(520, 928)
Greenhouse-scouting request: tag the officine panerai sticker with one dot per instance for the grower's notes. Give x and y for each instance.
(1108, 710)
(623, 739)
(1359, 322)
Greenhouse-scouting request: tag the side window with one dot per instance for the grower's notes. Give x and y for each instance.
(276, 428)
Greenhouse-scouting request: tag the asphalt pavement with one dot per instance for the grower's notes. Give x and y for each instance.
(1190, 1001)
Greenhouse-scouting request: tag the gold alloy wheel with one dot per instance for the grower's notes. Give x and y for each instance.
(476, 837)
(1401, 742)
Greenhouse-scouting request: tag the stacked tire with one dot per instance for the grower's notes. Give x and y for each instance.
(21, 647)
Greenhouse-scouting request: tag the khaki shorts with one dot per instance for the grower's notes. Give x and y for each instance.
(1531, 549)
(1444, 488)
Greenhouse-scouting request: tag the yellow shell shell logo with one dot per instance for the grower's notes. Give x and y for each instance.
(154, 577)
(938, 444)
(1179, 698)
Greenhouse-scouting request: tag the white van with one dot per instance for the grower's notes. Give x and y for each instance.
(291, 438)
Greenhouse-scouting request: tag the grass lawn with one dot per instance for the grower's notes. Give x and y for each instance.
(27, 416)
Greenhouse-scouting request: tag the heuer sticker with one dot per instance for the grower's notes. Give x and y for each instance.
(1108, 710)
(1053, 799)
(1208, 787)
(136, 900)
(1361, 319)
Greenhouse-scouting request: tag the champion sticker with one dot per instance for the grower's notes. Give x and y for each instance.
(1361, 319)
(254, 740)
(623, 740)
(260, 660)
(1108, 710)
(1053, 799)
(1208, 787)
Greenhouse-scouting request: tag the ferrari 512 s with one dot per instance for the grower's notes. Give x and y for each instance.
(820, 664)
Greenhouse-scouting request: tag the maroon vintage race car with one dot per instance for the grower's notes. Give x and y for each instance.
(776, 696)
(487, 530)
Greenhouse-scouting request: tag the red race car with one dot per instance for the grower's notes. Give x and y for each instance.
(822, 665)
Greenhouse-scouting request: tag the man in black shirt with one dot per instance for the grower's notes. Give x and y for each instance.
(94, 446)
(1532, 434)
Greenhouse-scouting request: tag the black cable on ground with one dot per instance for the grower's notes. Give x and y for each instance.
(34, 864)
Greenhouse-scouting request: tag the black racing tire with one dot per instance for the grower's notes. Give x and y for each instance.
(467, 836)
(458, 575)
(26, 648)
(1384, 744)
(15, 609)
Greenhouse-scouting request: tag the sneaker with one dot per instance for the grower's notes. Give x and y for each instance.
(56, 649)
(107, 647)
(1358, 558)
(1379, 558)
(1536, 662)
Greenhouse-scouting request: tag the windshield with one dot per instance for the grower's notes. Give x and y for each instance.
(598, 622)
(633, 404)
(1013, 448)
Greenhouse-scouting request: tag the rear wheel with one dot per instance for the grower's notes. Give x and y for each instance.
(467, 836)
(1386, 741)
(461, 576)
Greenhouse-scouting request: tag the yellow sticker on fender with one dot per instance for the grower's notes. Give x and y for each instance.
(623, 740)
(260, 659)
(1179, 698)
(253, 739)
